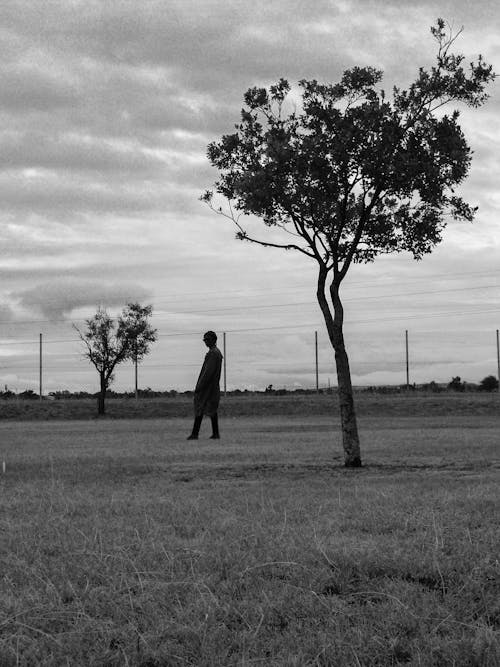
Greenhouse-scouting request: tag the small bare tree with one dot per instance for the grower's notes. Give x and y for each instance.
(109, 342)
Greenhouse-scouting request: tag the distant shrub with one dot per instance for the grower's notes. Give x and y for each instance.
(456, 384)
(29, 393)
(489, 383)
(7, 394)
(433, 387)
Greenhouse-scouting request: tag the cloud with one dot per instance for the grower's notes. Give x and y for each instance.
(57, 300)
(31, 89)
(6, 314)
(107, 109)
(102, 88)
(34, 150)
(53, 194)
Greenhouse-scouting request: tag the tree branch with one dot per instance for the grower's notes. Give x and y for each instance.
(88, 354)
(359, 232)
(243, 235)
(323, 301)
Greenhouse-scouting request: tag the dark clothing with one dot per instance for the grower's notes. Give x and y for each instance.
(197, 425)
(207, 392)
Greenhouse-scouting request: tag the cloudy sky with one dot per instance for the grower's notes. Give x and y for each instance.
(107, 107)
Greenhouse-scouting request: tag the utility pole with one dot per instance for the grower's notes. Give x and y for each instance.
(136, 373)
(136, 386)
(407, 363)
(498, 361)
(224, 360)
(41, 394)
(316, 351)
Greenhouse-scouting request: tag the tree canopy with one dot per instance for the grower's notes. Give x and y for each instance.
(353, 174)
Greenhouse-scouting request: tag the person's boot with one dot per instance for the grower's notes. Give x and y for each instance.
(196, 428)
(215, 428)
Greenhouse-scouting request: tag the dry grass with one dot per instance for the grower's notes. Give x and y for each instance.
(252, 405)
(123, 544)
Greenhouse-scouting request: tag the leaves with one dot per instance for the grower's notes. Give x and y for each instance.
(109, 342)
(133, 326)
(353, 173)
(256, 97)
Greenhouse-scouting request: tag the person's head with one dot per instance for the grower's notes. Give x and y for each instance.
(210, 338)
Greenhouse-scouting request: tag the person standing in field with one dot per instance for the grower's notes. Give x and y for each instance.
(207, 392)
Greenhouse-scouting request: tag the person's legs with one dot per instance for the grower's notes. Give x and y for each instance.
(215, 427)
(196, 428)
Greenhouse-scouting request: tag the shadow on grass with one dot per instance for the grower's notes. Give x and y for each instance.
(292, 471)
(130, 470)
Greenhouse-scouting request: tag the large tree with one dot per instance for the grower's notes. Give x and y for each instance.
(110, 342)
(351, 174)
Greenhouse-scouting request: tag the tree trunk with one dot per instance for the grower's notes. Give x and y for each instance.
(350, 438)
(334, 325)
(102, 396)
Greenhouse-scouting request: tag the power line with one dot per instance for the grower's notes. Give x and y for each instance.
(373, 285)
(304, 325)
(231, 309)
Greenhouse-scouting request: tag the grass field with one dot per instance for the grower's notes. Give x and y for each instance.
(123, 544)
(253, 405)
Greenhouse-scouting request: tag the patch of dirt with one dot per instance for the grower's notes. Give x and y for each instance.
(259, 470)
(298, 428)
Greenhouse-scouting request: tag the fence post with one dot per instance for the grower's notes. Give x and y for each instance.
(224, 360)
(498, 361)
(41, 389)
(136, 379)
(407, 363)
(316, 352)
